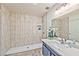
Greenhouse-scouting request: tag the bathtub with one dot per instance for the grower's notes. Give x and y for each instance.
(23, 48)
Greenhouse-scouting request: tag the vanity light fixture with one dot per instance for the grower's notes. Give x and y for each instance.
(64, 7)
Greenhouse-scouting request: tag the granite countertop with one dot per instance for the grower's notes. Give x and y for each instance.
(62, 49)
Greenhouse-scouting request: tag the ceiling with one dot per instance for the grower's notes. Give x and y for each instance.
(37, 9)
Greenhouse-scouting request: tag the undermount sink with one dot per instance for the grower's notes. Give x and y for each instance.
(64, 49)
(58, 45)
(61, 46)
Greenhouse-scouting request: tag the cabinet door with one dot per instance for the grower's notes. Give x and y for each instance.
(45, 51)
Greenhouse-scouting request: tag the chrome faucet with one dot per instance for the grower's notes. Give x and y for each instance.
(62, 40)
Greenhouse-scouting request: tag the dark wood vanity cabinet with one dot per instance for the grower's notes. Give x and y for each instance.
(47, 51)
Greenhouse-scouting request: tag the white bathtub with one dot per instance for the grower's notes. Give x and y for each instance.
(23, 48)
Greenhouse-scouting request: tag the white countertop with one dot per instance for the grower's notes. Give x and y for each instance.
(64, 51)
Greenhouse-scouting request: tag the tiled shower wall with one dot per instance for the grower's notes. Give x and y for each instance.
(5, 30)
(24, 29)
(18, 29)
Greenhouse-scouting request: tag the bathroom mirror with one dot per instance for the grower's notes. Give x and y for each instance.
(74, 27)
(55, 26)
(62, 27)
(67, 26)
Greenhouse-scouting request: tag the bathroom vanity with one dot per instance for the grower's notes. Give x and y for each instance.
(55, 48)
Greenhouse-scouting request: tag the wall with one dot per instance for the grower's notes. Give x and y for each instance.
(5, 30)
(44, 26)
(24, 29)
